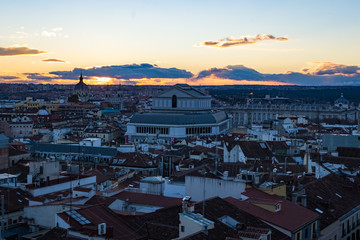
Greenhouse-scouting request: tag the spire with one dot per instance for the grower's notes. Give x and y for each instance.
(81, 77)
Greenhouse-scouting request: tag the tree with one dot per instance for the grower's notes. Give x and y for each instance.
(73, 98)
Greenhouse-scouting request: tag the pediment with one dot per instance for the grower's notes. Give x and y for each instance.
(174, 91)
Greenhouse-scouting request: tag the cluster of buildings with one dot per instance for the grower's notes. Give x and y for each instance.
(168, 165)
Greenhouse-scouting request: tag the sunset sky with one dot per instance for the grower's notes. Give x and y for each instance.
(166, 42)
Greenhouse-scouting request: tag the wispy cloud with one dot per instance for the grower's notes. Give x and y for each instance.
(18, 50)
(53, 60)
(48, 34)
(231, 42)
(57, 29)
(54, 32)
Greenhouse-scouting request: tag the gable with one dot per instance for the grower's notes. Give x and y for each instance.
(174, 91)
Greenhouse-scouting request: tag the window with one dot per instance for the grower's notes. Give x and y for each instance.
(297, 236)
(152, 130)
(182, 228)
(277, 207)
(314, 231)
(174, 101)
(198, 130)
(306, 233)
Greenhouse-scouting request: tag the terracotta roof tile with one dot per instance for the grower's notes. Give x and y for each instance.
(291, 216)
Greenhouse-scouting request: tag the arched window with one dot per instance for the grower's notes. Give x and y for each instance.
(174, 101)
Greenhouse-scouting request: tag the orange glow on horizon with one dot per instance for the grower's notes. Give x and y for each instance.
(210, 80)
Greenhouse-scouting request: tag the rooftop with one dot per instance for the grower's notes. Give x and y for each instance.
(291, 216)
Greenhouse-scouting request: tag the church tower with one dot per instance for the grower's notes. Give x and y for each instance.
(82, 90)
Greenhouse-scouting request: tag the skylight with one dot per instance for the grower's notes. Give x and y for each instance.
(78, 217)
(319, 211)
(338, 195)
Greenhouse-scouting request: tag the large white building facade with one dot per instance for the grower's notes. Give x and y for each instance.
(178, 113)
(272, 108)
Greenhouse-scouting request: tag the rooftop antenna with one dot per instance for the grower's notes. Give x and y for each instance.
(216, 155)
(203, 206)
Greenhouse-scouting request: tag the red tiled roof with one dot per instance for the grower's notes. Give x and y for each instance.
(82, 189)
(277, 145)
(14, 199)
(15, 152)
(100, 214)
(291, 216)
(148, 199)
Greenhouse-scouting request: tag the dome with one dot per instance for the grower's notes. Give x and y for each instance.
(43, 111)
(81, 85)
(342, 100)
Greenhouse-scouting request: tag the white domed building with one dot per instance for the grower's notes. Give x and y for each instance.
(43, 111)
(82, 90)
(342, 102)
(178, 113)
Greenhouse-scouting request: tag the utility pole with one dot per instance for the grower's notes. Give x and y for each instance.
(203, 206)
(162, 166)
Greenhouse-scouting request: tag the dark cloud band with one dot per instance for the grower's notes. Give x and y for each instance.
(325, 74)
(134, 71)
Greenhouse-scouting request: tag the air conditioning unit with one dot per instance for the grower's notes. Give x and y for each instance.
(102, 229)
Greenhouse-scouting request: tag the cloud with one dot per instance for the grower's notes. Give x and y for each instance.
(8, 77)
(327, 74)
(38, 76)
(134, 71)
(51, 60)
(57, 29)
(48, 34)
(18, 50)
(55, 32)
(231, 42)
(235, 72)
(317, 74)
(329, 68)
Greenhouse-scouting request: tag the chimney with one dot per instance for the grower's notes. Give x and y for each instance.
(226, 174)
(304, 200)
(185, 204)
(294, 197)
(29, 179)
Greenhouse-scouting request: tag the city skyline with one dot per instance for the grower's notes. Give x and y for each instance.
(168, 42)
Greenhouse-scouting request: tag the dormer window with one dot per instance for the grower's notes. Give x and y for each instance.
(174, 101)
(277, 207)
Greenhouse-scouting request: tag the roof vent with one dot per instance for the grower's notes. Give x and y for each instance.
(185, 204)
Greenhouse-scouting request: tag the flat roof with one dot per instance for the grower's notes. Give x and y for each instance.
(7, 175)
